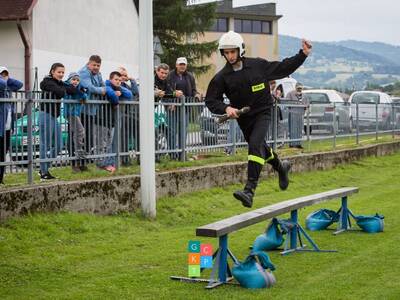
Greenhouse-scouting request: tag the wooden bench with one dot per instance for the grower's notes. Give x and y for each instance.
(221, 229)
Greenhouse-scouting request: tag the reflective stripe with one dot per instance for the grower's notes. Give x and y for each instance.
(271, 157)
(256, 159)
(258, 87)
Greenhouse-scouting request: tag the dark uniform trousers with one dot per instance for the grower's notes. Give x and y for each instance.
(255, 129)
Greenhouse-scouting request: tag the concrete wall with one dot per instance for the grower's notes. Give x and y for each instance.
(70, 31)
(112, 195)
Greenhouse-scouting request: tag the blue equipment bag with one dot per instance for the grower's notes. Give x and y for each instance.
(271, 239)
(321, 219)
(371, 224)
(252, 273)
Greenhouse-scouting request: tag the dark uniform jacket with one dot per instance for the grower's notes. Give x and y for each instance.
(249, 86)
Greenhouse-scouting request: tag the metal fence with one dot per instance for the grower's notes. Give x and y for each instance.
(47, 133)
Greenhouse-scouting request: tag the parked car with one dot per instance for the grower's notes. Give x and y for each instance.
(322, 104)
(19, 140)
(396, 112)
(367, 102)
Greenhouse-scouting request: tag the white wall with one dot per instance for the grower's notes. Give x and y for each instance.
(12, 49)
(70, 31)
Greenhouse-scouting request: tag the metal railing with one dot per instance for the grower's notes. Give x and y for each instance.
(46, 134)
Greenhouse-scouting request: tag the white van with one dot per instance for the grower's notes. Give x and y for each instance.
(367, 110)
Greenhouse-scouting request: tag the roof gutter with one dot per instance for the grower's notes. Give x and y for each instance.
(28, 52)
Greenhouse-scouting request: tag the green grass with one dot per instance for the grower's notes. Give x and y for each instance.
(200, 159)
(80, 256)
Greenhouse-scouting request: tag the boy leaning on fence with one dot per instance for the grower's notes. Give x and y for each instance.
(114, 93)
(7, 114)
(72, 113)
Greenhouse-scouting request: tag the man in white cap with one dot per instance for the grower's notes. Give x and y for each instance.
(245, 81)
(183, 82)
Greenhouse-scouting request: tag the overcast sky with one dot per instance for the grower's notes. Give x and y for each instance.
(333, 20)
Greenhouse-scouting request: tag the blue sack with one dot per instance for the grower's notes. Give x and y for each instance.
(321, 219)
(252, 273)
(370, 224)
(271, 239)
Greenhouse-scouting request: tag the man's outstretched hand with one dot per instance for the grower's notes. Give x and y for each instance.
(306, 46)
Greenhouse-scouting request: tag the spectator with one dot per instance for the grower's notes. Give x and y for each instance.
(91, 80)
(162, 88)
(276, 95)
(76, 131)
(296, 116)
(181, 80)
(51, 142)
(129, 117)
(7, 114)
(114, 93)
(129, 82)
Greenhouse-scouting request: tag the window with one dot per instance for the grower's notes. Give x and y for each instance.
(246, 25)
(317, 98)
(253, 26)
(238, 25)
(267, 27)
(220, 25)
(365, 98)
(256, 27)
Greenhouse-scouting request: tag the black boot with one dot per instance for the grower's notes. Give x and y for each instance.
(246, 196)
(283, 171)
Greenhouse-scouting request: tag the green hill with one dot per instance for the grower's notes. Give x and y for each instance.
(346, 64)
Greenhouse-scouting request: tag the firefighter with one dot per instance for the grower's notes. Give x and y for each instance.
(245, 81)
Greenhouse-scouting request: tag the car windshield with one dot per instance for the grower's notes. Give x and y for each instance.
(317, 98)
(365, 98)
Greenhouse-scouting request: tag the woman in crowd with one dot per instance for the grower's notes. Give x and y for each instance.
(54, 89)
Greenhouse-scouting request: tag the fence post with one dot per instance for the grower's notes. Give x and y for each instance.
(308, 127)
(377, 121)
(182, 135)
(275, 125)
(393, 118)
(117, 134)
(334, 125)
(233, 127)
(357, 125)
(30, 137)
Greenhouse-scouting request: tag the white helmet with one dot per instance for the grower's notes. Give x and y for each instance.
(231, 40)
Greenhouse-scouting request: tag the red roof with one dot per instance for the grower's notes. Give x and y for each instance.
(16, 9)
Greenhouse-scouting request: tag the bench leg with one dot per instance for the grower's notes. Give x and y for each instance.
(294, 233)
(345, 213)
(221, 273)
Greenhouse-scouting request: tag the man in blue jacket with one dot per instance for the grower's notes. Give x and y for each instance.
(92, 81)
(7, 113)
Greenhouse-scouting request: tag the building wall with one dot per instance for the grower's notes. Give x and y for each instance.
(12, 48)
(70, 31)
